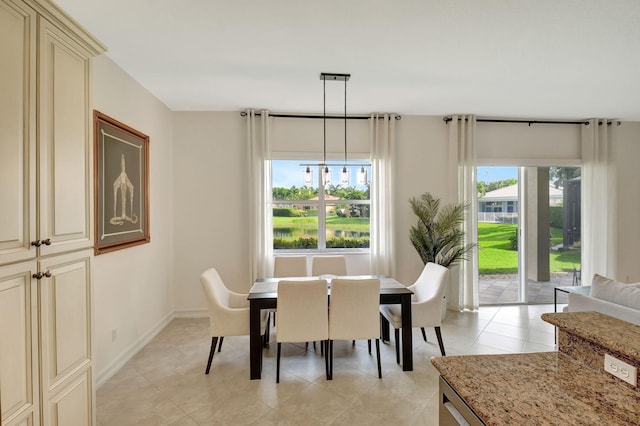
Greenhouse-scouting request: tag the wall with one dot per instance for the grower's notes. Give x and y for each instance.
(210, 179)
(133, 287)
(626, 154)
(211, 204)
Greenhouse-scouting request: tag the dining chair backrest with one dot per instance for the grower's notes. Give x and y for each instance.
(334, 265)
(431, 283)
(353, 312)
(228, 310)
(302, 311)
(290, 266)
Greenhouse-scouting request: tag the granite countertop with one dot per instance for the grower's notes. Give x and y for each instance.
(605, 331)
(538, 388)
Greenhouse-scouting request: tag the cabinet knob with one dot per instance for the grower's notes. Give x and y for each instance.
(36, 243)
(38, 275)
(47, 274)
(47, 242)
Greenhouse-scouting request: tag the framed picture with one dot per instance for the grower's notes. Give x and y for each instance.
(121, 167)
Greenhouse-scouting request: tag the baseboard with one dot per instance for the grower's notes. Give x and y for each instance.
(103, 376)
(191, 313)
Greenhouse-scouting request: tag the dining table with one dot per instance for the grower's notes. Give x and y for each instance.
(264, 295)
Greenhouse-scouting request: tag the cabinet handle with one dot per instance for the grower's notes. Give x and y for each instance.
(41, 275)
(36, 243)
(47, 242)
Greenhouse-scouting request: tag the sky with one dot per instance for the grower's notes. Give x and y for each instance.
(494, 173)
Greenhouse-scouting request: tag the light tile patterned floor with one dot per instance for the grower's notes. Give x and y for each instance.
(165, 383)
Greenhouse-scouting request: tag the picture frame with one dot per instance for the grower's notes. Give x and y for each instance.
(121, 185)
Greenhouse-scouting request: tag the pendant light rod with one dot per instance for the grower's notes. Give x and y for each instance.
(345, 122)
(324, 118)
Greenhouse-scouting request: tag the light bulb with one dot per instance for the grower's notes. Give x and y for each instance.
(326, 176)
(308, 176)
(362, 176)
(344, 176)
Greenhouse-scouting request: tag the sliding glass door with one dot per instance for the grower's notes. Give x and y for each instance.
(529, 232)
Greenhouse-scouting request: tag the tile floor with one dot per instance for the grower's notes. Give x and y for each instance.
(165, 384)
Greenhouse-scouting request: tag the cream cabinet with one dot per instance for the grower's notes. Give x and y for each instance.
(45, 330)
(46, 194)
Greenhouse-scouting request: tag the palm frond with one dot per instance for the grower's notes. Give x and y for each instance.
(438, 235)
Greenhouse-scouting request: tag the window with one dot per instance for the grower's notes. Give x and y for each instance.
(315, 216)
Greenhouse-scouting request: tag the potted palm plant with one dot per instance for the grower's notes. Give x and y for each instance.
(438, 236)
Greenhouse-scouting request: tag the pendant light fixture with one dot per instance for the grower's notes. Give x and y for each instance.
(325, 171)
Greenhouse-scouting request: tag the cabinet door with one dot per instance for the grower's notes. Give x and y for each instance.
(19, 392)
(65, 153)
(65, 334)
(17, 131)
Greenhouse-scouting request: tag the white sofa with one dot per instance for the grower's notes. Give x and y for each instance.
(609, 297)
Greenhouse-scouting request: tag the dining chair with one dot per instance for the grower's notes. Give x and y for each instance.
(334, 265)
(287, 267)
(426, 304)
(290, 266)
(302, 315)
(353, 314)
(228, 311)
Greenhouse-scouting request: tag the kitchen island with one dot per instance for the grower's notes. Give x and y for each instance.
(564, 387)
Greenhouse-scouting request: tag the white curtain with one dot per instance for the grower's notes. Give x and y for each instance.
(382, 136)
(598, 201)
(462, 163)
(260, 210)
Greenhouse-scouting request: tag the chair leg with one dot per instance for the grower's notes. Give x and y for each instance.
(214, 341)
(369, 345)
(220, 344)
(274, 318)
(354, 343)
(278, 363)
(439, 335)
(424, 334)
(384, 329)
(397, 333)
(378, 356)
(267, 329)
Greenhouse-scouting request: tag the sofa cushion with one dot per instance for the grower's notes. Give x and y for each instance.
(614, 291)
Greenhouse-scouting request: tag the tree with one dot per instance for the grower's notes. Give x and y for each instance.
(560, 174)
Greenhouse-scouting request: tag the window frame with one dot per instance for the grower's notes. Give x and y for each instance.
(321, 203)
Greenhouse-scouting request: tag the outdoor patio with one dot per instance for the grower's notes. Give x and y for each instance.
(499, 289)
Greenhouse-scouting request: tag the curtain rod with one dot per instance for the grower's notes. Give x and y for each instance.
(329, 117)
(529, 122)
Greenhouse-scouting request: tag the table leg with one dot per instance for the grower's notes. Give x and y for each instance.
(255, 344)
(384, 328)
(407, 338)
(555, 309)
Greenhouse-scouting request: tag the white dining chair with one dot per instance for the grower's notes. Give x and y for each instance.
(426, 304)
(290, 266)
(353, 314)
(332, 265)
(228, 311)
(302, 315)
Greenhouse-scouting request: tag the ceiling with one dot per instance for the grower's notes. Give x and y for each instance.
(555, 59)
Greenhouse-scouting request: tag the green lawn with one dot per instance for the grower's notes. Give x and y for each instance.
(495, 256)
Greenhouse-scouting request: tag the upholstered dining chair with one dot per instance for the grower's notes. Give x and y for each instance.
(302, 315)
(353, 314)
(290, 266)
(228, 311)
(287, 267)
(334, 265)
(426, 304)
